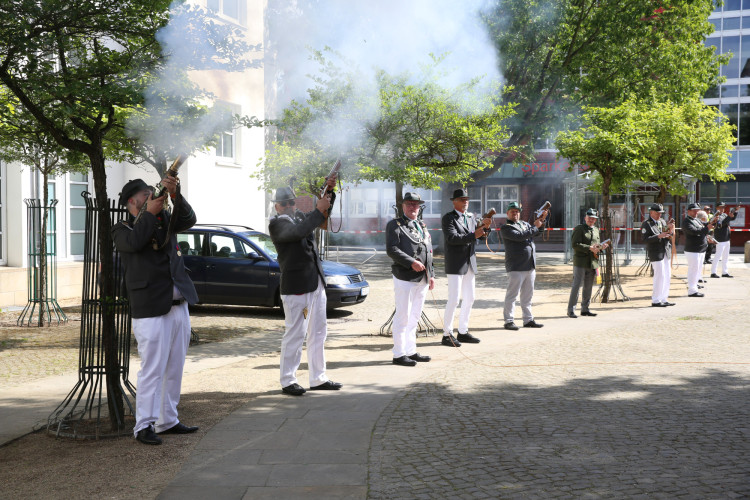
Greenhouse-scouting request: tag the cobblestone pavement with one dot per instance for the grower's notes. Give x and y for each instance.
(650, 403)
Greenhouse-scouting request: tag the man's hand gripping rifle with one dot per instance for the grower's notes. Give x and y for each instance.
(328, 191)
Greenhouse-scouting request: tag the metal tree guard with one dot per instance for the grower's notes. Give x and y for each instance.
(83, 413)
(42, 271)
(618, 294)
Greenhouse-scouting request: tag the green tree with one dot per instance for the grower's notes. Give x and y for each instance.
(561, 55)
(406, 131)
(77, 67)
(609, 144)
(683, 139)
(23, 141)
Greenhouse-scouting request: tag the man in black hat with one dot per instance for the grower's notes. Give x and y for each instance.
(586, 245)
(722, 236)
(657, 233)
(696, 242)
(520, 264)
(408, 243)
(159, 291)
(303, 290)
(461, 234)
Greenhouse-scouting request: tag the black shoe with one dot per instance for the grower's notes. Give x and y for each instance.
(293, 390)
(147, 436)
(419, 358)
(510, 326)
(714, 275)
(665, 304)
(709, 261)
(701, 281)
(468, 338)
(588, 313)
(658, 304)
(727, 276)
(450, 341)
(180, 428)
(327, 386)
(532, 324)
(696, 294)
(404, 361)
(572, 315)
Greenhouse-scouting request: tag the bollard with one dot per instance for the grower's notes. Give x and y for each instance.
(747, 252)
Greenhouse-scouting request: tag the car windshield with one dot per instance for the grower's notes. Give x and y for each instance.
(264, 242)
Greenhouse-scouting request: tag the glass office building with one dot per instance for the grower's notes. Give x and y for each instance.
(732, 35)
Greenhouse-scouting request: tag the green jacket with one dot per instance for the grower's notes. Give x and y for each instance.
(583, 237)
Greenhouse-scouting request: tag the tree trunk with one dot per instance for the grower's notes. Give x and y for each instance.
(42, 290)
(662, 194)
(607, 277)
(106, 251)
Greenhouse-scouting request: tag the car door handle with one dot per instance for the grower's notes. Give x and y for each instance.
(210, 266)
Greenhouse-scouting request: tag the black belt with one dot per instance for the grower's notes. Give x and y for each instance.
(177, 302)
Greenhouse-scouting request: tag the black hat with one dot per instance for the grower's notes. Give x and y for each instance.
(592, 213)
(130, 188)
(721, 204)
(657, 207)
(693, 206)
(460, 193)
(413, 197)
(284, 194)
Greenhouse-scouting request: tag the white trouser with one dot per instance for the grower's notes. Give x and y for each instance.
(304, 315)
(459, 286)
(722, 253)
(522, 281)
(162, 345)
(662, 278)
(410, 297)
(695, 269)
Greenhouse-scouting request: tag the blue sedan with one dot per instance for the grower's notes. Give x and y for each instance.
(236, 265)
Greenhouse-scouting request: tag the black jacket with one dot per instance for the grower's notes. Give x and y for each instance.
(695, 235)
(404, 243)
(460, 243)
(656, 248)
(150, 274)
(294, 238)
(520, 252)
(722, 230)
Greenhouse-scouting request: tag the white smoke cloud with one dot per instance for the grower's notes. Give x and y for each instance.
(393, 35)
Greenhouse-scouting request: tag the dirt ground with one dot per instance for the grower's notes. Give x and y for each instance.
(40, 466)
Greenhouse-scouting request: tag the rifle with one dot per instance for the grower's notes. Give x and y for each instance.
(324, 190)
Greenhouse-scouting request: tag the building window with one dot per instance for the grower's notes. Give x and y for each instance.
(227, 147)
(78, 183)
(431, 201)
(363, 202)
(498, 197)
(231, 9)
(475, 200)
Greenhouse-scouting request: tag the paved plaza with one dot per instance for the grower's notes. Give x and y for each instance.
(638, 402)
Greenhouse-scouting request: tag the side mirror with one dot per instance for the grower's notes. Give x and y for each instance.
(254, 256)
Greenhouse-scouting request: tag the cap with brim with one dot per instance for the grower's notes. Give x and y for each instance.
(130, 188)
(413, 197)
(513, 205)
(284, 194)
(693, 206)
(592, 213)
(460, 193)
(721, 204)
(657, 207)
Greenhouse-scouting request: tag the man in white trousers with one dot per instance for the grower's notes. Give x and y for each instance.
(302, 290)
(159, 291)
(408, 243)
(722, 234)
(461, 233)
(657, 233)
(696, 242)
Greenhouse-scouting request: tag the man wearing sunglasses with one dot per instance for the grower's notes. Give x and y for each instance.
(303, 290)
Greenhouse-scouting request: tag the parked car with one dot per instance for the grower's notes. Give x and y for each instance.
(236, 265)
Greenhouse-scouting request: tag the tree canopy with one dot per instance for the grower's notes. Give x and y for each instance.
(561, 55)
(408, 129)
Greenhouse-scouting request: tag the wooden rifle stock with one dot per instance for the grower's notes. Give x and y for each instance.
(324, 190)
